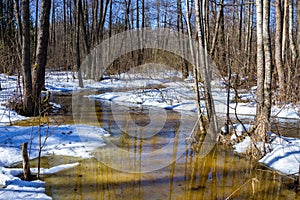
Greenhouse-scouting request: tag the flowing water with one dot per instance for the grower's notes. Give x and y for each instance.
(218, 175)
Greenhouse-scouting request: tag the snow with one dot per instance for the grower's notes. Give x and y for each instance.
(163, 91)
(61, 140)
(15, 188)
(243, 146)
(283, 153)
(68, 140)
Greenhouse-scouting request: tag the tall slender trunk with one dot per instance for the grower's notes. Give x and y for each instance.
(264, 72)
(36, 27)
(278, 49)
(259, 58)
(241, 25)
(110, 18)
(41, 55)
(284, 28)
(298, 29)
(268, 59)
(78, 60)
(195, 66)
(19, 23)
(28, 100)
(203, 61)
(217, 27)
(291, 37)
(184, 66)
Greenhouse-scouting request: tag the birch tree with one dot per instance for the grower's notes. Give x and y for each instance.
(200, 11)
(278, 48)
(264, 72)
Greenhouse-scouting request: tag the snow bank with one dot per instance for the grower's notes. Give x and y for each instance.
(283, 152)
(13, 187)
(68, 140)
(60, 140)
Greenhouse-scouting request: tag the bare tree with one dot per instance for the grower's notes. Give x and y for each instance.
(41, 54)
(200, 11)
(291, 30)
(298, 26)
(78, 60)
(284, 28)
(264, 72)
(26, 67)
(278, 48)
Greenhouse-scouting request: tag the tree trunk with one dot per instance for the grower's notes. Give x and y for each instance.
(195, 68)
(268, 60)
(110, 18)
(218, 21)
(284, 28)
(291, 37)
(19, 23)
(264, 72)
(26, 165)
(28, 100)
(260, 58)
(298, 30)
(36, 27)
(41, 55)
(78, 61)
(184, 66)
(203, 62)
(278, 49)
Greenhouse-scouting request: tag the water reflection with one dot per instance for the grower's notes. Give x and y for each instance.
(216, 176)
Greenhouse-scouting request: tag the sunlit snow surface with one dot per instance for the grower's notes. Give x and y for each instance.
(61, 140)
(163, 91)
(283, 152)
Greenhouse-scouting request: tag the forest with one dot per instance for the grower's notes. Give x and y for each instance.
(238, 60)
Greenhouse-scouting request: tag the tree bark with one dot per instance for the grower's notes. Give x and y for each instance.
(28, 100)
(291, 37)
(278, 49)
(268, 60)
(78, 61)
(36, 27)
(264, 72)
(259, 58)
(284, 28)
(203, 62)
(26, 165)
(217, 25)
(19, 23)
(41, 55)
(298, 30)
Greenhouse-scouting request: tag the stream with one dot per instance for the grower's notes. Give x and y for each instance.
(115, 175)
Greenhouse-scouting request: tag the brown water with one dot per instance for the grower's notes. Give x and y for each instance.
(218, 175)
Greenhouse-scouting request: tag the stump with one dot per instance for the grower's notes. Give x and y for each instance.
(26, 166)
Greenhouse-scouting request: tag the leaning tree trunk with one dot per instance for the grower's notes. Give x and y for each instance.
(200, 13)
(41, 55)
(28, 101)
